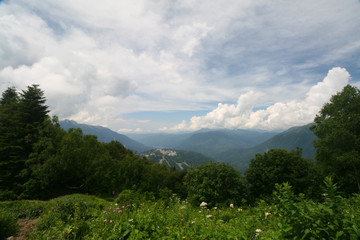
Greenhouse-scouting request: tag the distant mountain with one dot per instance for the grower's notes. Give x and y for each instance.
(290, 139)
(160, 140)
(106, 135)
(212, 142)
(179, 159)
(206, 141)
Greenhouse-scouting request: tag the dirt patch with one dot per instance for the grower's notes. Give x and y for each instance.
(26, 226)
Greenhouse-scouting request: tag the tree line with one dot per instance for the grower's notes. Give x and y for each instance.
(40, 160)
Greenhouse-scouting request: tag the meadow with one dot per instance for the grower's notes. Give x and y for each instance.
(131, 216)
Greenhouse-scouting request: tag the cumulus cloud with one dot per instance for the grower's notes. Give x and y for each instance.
(280, 115)
(98, 61)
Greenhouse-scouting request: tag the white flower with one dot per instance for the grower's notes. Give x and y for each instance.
(267, 214)
(215, 208)
(208, 216)
(239, 209)
(203, 204)
(131, 220)
(232, 205)
(258, 230)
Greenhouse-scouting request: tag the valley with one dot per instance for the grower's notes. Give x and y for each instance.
(236, 147)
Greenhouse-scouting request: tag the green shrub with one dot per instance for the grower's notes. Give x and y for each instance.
(305, 219)
(130, 197)
(8, 224)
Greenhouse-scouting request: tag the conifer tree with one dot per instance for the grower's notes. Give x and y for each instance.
(21, 118)
(10, 149)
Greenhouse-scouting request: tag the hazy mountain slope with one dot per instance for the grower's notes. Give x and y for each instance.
(212, 142)
(179, 159)
(160, 140)
(294, 137)
(106, 135)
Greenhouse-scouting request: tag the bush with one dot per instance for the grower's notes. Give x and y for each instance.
(305, 219)
(217, 184)
(8, 224)
(130, 197)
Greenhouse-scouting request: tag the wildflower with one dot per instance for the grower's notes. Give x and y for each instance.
(215, 208)
(105, 220)
(117, 208)
(122, 207)
(258, 230)
(75, 204)
(208, 216)
(239, 209)
(183, 237)
(105, 212)
(111, 221)
(116, 204)
(119, 211)
(131, 220)
(267, 214)
(232, 205)
(114, 211)
(203, 204)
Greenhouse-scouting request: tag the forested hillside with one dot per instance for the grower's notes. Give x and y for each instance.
(105, 135)
(296, 137)
(178, 159)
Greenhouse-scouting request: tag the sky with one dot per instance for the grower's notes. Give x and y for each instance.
(171, 65)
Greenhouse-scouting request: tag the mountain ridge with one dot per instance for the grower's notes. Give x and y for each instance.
(105, 135)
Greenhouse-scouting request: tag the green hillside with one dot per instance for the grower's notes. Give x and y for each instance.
(292, 138)
(105, 135)
(179, 159)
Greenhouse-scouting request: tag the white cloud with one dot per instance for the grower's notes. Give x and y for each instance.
(280, 115)
(100, 59)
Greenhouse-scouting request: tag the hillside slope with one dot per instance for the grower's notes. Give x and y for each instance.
(292, 138)
(179, 159)
(106, 135)
(212, 142)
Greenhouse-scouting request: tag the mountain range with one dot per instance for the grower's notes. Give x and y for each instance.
(236, 147)
(105, 135)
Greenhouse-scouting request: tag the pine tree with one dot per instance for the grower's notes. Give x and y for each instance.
(21, 118)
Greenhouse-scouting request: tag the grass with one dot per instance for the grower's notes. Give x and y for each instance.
(287, 217)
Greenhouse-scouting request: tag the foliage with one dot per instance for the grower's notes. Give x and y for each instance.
(279, 166)
(214, 183)
(21, 118)
(287, 216)
(8, 225)
(335, 218)
(338, 144)
(39, 160)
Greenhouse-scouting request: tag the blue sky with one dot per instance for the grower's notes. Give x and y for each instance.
(148, 66)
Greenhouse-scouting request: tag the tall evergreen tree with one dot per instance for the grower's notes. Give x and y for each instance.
(21, 118)
(33, 112)
(10, 150)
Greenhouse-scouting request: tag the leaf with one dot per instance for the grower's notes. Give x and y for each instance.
(307, 231)
(339, 234)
